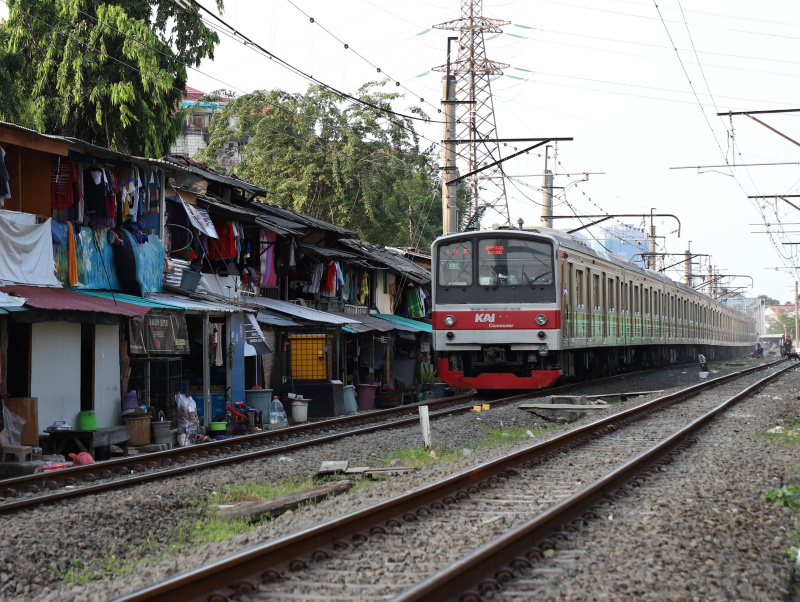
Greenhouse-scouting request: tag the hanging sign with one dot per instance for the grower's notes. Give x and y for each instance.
(159, 334)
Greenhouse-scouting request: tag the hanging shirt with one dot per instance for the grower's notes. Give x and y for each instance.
(63, 177)
(225, 246)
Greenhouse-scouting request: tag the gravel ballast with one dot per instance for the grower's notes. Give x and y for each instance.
(40, 544)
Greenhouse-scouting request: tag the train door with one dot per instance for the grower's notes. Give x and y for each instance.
(580, 305)
(648, 321)
(656, 320)
(604, 312)
(625, 313)
(637, 314)
(597, 309)
(613, 310)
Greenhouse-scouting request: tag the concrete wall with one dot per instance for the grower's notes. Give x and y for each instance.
(56, 371)
(107, 401)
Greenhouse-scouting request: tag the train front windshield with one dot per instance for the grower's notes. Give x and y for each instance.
(496, 270)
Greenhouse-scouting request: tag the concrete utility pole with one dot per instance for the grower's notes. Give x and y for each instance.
(651, 260)
(796, 317)
(688, 274)
(449, 205)
(710, 281)
(547, 193)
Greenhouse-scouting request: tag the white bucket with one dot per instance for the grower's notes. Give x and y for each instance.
(704, 375)
(300, 410)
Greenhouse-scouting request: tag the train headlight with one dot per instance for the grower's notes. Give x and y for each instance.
(541, 334)
(541, 319)
(449, 321)
(450, 336)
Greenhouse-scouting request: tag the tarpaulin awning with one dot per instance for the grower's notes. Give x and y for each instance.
(299, 311)
(60, 299)
(253, 335)
(144, 302)
(412, 325)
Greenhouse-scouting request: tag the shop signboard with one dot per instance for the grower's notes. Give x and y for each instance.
(159, 334)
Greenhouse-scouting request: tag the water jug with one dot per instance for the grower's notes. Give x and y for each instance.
(277, 415)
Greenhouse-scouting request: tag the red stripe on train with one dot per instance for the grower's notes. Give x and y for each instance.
(497, 320)
(539, 379)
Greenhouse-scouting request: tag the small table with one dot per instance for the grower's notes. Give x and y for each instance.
(87, 441)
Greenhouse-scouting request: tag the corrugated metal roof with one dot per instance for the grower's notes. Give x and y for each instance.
(60, 299)
(194, 304)
(393, 261)
(307, 220)
(209, 174)
(329, 252)
(298, 311)
(127, 299)
(369, 322)
(419, 326)
(272, 318)
(246, 213)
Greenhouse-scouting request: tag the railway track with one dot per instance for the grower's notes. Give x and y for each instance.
(21, 493)
(388, 549)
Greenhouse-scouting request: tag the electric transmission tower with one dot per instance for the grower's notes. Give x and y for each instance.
(476, 128)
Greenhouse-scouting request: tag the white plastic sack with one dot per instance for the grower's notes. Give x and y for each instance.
(187, 420)
(14, 425)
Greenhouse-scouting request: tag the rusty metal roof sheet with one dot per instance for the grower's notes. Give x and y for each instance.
(41, 297)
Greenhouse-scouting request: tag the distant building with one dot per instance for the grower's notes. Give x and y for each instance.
(772, 312)
(194, 133)
(625, 240)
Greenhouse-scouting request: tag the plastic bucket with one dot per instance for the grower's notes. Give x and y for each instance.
(438, 390)
(161, 432)
(87, 421)
(365, 396)
(300, 410)
(260, 399)
(349, 396)
(190, 280)
(129, 402)
(139, 426)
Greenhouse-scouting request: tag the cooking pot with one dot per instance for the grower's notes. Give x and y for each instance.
(58, 425)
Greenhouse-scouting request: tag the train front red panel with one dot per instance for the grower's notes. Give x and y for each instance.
(539, 379)
(497, 320)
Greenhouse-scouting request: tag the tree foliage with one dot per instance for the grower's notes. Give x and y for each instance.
(111, 72)
(344, 162)
(768, 300)
(12, 101)
(783, 323)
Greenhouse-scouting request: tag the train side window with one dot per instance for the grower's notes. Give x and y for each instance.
(611, 297)
(596, 300)
(578, 293)
(647, 301)
(636, 299)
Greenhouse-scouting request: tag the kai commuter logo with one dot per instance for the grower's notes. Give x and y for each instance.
(484, 318)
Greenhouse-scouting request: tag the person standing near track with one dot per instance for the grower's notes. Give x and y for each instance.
(783, 345)
(702, 359)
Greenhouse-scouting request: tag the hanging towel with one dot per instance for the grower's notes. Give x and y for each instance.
(72, 256)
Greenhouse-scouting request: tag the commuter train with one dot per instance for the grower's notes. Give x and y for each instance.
(522, 309)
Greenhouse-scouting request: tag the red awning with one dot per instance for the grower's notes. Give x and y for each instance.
(41, 297)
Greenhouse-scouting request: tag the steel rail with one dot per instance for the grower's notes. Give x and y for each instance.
(239, 573)
(124, 466)
(466, 579)
(10, 488)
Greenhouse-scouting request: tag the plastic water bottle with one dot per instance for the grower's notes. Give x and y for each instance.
(277, 416)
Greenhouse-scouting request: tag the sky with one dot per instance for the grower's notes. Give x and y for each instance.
(636, 84)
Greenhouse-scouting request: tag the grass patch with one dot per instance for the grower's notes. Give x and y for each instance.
(204, 526)
(420, 458)
(97, 569)
(788, 434)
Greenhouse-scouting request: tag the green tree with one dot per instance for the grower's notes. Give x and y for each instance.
(112, 72)
(784, 323)
(345, 162)
(12, 101)
(768, 300)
